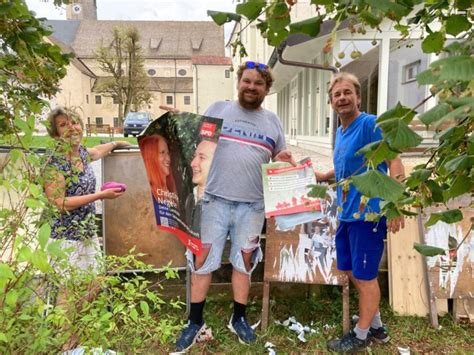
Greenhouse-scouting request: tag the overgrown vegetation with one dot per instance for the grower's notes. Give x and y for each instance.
(127, 314)
(321, 309)
(446, 29)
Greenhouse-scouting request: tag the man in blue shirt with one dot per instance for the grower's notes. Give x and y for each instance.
(359, 243)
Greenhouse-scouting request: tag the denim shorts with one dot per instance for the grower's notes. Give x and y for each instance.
(359, 247)
(242, 221)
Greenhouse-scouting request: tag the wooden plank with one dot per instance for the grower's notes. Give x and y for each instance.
(407, 287)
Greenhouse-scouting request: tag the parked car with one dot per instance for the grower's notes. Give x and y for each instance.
(135, 123)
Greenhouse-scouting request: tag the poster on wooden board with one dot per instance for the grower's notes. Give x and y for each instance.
(451, 275)
(306, 254)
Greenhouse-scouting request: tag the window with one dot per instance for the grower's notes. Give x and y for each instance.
(187, 100)
(116, 122)
(182, 72)
(169, 100)
(410, 71)
(99, 120)
(227, 73)
(151, 72)
(98, 99)
(87, 99)
(115, 99)
(88, 120)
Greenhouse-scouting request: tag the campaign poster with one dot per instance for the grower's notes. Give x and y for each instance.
(177, 150)
(285, 188)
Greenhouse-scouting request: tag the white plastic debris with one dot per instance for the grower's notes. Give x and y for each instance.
(403, 351)
(297, 327)
(256, 325)
(205, 334)
(270, 347)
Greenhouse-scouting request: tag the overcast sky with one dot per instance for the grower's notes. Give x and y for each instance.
(140, 9)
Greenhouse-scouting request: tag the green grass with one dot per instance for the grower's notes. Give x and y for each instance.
(46, 141)
(318, 312)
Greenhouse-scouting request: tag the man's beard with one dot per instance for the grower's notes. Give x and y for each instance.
(250, 105)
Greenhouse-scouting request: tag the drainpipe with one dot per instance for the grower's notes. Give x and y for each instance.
(330, 68)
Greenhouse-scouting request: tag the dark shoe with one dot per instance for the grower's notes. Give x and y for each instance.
(379, 335)
(189, 336)
(349, 343)
(243, 330)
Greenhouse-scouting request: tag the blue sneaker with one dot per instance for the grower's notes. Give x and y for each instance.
(379, 335)
(243, 330)
(188, 336)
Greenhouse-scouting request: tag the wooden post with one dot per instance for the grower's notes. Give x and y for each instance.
(265, 304)
(346, 321)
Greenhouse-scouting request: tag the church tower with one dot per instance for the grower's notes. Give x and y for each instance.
(81, 10)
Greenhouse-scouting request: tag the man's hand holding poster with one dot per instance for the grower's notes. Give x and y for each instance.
(177, 150)
(285, 189)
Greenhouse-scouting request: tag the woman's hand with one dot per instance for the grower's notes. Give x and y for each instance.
(122, 144)
(169, 108)
(110, 194)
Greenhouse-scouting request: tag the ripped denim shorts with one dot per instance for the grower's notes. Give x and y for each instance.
(242, 221)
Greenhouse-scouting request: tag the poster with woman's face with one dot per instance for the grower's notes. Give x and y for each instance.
(177, 150)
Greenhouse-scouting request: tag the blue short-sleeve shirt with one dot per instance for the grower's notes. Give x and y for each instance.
(362, 131)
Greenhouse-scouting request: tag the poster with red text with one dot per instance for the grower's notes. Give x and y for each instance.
(177, 150)
(285, 188)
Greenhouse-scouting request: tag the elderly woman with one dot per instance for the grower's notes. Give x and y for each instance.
(70, 186)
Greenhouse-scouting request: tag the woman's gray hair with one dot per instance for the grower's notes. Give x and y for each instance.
(58, 111)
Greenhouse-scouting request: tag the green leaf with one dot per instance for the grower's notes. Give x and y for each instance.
(377, 152)
(222, 17)
(318, 191)
(5, 272)
(463, 162)
(399, 111)
(322, 2)
(25, 254)
(3, 337)
(455, 24)
(309, 26)
(275, 38)
(278, 17)
(371, 19)
(433, 43)
(373, 183)
(105, 317)
(427, 77)
(399, 135)
(450, 216)
(428, 250)
(22, 125)
(12, 297)
(251, 9)
(40, 260)
(436, 191)
(388, 6)
(417, 177)
(455, 68)
(134, 315)
(55, 249)
(15, 154)
(461, 185)
(145, 308)
(43, 234)
(434, 114)
(33, 203)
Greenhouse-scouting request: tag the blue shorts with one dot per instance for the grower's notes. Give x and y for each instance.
(359, 247)
(242, 221)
